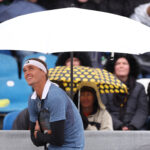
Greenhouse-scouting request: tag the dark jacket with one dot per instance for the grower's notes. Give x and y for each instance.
(133, 114)
(120, 7)
(54, 4)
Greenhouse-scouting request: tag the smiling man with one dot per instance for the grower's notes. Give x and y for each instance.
(54, 119)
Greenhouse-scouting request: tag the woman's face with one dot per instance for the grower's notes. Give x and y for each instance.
(86, 99)
(76, 62)
(122, 68)
(82, 1)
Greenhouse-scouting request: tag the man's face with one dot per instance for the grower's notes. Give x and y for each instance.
(33, 75)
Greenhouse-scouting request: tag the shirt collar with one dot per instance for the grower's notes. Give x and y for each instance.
(45, 90)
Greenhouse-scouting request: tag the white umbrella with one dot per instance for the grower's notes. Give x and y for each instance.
(74, 29)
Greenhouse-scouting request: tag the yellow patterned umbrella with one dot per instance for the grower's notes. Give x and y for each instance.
(106, 81)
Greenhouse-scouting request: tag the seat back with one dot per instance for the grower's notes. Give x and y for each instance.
(17, 91)
(8, 66)
(9, 120)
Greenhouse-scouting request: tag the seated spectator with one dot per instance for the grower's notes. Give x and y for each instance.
(142, 14)
(93, 112)
(55, 4)
(79, 59)
(128, 111)
(13, 8)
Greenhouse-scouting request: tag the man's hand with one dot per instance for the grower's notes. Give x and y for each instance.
(37, 128)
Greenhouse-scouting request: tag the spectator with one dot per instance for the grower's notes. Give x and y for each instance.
(54, 4)
(79, 58)
(120, 7)
(128, 111)
(13, 8)
(93, 112)
(142, 14)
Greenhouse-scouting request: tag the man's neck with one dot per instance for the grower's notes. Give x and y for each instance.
(39, 88)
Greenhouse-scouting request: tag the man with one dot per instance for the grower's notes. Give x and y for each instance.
(65, 131)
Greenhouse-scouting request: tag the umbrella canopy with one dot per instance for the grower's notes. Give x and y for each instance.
(106, 81)
(74, 29)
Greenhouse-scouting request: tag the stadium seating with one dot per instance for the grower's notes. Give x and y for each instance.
(9, 119)
(7, 52)
(15, 91)
(8, 66)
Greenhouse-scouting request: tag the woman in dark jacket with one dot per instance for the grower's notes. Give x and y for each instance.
(130, 111)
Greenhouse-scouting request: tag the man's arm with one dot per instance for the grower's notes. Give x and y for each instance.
(57, 136)
(35, 141)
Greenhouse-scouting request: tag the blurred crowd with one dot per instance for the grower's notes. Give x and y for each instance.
(109, 111)
(104, 111)
(136, 9)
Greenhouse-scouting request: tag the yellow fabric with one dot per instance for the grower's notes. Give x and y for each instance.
(4, 102)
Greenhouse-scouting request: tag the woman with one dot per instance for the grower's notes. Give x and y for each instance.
(92, 110)
(79, 59)
(129, 112)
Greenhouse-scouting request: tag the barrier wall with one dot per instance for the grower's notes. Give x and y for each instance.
(98, 140)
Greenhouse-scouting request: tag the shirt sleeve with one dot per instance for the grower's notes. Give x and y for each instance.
(58, 106)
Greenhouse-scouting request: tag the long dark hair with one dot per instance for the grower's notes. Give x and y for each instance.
(82, 56)
(134, 65)
(89, 89)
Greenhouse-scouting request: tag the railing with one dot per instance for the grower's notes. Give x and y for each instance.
(94, 140)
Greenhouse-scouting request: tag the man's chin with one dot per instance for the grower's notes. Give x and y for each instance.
(30, 83)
